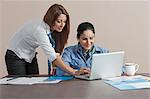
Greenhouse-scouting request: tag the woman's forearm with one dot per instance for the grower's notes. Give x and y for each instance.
(58, 62)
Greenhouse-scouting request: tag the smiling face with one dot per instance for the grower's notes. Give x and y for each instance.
(86, 39)
(60, 23)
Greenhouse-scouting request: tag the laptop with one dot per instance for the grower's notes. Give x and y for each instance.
(105, 65)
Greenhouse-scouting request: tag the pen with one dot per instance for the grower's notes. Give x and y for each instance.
(11, 78)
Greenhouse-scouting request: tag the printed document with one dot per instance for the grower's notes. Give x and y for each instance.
(27, 80)
(129, 82)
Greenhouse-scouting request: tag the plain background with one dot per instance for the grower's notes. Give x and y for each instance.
(119, 24)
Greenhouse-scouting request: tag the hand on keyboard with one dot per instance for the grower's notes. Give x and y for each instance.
(82, 71)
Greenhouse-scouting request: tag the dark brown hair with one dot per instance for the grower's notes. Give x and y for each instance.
(50, 17)
(83, 27)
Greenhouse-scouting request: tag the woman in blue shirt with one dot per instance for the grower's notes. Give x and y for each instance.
(80, 55)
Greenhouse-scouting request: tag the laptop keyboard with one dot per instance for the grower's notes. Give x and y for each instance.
(85, 75)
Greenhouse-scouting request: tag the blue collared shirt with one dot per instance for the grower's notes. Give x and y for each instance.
(53, 45)
(75, 57)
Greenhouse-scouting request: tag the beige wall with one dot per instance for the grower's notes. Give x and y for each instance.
(1, 68)
(149, 37)
(119, 24)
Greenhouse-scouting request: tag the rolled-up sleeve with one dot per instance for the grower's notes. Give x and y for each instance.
(66, 57)
(104, 50)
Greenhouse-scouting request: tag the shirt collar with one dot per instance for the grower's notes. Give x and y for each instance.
(81, 49)
(95, 49)
(47, 28)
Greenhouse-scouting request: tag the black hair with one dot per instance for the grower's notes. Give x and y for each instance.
(83, 27)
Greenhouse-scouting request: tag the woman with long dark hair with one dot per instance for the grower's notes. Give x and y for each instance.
(50, 34)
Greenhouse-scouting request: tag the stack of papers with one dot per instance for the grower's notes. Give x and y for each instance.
(28, 80)
(129, 82)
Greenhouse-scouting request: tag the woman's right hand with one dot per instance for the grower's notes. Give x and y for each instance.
(82, 71)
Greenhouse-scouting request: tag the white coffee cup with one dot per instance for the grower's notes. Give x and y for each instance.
(130, 68)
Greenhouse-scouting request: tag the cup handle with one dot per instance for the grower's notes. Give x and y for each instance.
(137, 67)
(123, 69)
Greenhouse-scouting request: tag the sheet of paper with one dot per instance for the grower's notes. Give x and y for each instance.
(22, 81)
(140, 85)
(45, 80)
(4, 80)
(48, 82)
(124, 78)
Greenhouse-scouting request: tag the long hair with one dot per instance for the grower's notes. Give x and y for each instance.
(50, 17)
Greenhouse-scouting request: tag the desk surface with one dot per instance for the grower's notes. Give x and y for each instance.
(73, 89)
